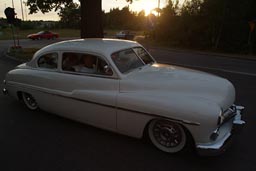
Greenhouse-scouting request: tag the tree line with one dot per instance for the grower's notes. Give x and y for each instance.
(221, 25)
(114, 19)
(209, 24)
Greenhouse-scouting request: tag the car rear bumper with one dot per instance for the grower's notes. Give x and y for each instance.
(222, 144)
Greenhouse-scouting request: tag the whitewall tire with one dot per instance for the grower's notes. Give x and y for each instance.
(167, 136)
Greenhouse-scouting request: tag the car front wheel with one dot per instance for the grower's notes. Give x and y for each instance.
(29, 101)
(167, 136)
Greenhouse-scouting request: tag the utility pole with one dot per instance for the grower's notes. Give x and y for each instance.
(158, 8)
(12, 4)
(13, 31)
(21, 5)
(26, 14)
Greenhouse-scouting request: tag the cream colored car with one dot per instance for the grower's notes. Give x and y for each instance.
(118, 86)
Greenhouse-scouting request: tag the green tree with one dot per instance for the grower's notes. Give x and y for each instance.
(211, 24)
(117, 19)
(70, 16)
(168, 25)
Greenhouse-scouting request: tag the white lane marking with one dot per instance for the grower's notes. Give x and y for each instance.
(209, 68)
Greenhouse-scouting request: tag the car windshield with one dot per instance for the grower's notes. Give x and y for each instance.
(146, 58)
(40, 32)
(129, 59)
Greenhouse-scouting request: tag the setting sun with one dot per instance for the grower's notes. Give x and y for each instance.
(137, 5)
(149, 6)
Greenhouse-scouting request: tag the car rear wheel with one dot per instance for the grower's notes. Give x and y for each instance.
(167, 136)
(29, 101)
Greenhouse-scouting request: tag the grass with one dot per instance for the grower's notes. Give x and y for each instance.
(7, 33)
(22, 34)
(22, 53)
(27, 53)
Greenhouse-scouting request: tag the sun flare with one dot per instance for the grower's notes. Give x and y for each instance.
(149, 7)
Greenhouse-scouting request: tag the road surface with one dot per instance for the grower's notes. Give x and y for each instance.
(40, 141)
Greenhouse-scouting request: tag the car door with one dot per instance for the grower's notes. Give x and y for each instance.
(46, 35)
(88, 95)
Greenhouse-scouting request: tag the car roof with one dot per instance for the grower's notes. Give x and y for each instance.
(96, 45)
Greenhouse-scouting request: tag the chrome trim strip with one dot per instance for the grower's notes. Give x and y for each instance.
(88, 74)
(73, 73)
(154, 115)
(111, 106)
(125, 109)
(238, 118)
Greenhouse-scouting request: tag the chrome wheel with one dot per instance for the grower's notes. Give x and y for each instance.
(29, 101)
(167, 136)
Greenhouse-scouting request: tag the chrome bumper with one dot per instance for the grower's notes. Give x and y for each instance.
(221, 145)
(238, 117)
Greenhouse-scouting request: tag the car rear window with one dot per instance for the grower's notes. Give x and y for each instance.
(48, 61)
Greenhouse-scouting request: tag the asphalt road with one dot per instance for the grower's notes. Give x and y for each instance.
(40, 141)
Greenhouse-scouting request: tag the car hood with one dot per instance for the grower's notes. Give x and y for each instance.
(171, 81)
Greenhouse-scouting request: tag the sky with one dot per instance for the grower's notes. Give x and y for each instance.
(137, 5)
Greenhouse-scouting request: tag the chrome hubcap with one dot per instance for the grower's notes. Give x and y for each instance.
(167, 134)
(30, 100)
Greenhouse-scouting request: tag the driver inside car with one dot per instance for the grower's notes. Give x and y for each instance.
(88, 64)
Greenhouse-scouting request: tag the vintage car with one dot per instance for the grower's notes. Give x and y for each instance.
(117, 85)
(43, 35)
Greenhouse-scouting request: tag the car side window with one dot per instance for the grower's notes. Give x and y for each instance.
(84, 63)
(49, 61)
(69, 61)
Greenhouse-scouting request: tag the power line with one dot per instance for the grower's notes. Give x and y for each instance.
(21, 5)
(12, 4)
(26, 14)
